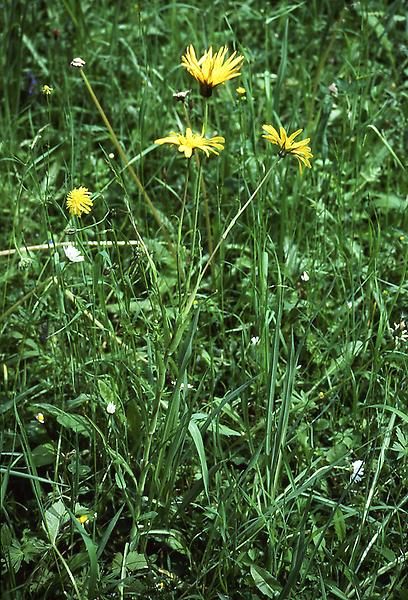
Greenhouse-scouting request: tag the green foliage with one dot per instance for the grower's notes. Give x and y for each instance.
(181, 410)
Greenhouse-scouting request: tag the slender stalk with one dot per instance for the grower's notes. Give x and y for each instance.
(205, 195)
(195, 227)
(125, 159)
(225, 235)
(180, 269)
(103, 244)
(203, 186)
(190, 301)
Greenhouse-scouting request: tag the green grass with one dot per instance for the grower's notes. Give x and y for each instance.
(244, 390)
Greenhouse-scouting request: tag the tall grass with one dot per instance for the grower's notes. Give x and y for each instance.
(181, 411)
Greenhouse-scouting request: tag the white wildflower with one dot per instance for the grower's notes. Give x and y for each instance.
(333, 89)
(78, 62)
(358, 471)
(73, 254)
(255, 340)
(305, 276)
(400, 333)
(181, 96)
(111, 408)
(183, 386)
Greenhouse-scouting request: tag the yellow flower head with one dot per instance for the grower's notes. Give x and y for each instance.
(47, 90)
(187, 143)
(287, 145)
(241, 90)
(79, 201)
(40, 418)
(210, 70)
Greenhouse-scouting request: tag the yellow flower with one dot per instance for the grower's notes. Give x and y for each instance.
(210, 70)
(241, 90)
(79, 201)
(83, 519)
(40, 418)
(287, 145)
(47, 90)
(187, 143)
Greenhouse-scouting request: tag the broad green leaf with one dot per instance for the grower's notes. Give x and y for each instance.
(388, 202)
(117, 563)
(120, 480)
(198, 441)
(55, 516)
(15, 555)
(77, 423)
(135, 561)
(44, 454)
(265, 582)
(107, 392)
(339, 525)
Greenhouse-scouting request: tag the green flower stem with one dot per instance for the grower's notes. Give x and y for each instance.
(205, 195)
(203, 187)
(125, 159)
(195, 226)
(232, 224)
(180, 268)
(182, 320)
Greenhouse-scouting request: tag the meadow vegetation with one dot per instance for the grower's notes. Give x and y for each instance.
(204, 340)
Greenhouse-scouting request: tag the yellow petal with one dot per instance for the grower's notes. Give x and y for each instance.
(293, 135)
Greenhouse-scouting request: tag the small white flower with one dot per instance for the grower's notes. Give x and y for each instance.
(305, 276)
(402, 339)
(333, 89)
(73, 254)
(182, 386)
(111, 408)
(400, 333)
(255, 340)
(111, 155)
(78, 62)
(181, 96)
(358, 471)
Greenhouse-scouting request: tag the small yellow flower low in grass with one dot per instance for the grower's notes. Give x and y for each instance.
(210, 70)
(83, 519)
(189, 142)
(287, 145)
(47, 90)
(241, 91)
(79, 201)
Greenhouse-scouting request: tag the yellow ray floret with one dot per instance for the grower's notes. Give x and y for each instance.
(79, 201)
(189, 142)
(287, 145)
(210, 70)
